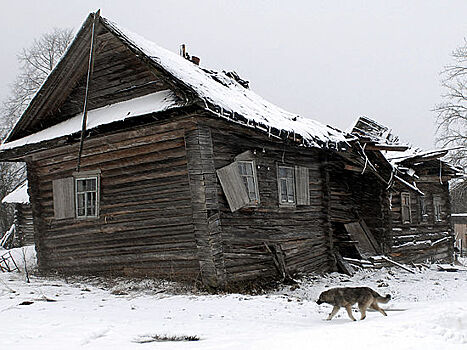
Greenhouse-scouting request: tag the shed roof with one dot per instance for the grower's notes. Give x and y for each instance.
(20, 195)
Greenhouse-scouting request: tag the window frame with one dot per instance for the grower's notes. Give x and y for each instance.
(423, 209)
(409, 206)
(254, 176)
(81, 177)
(279, 186)
(437, 208)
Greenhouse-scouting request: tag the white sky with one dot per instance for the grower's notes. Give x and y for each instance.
(327, 60)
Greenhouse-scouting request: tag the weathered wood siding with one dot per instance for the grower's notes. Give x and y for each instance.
(118, 75)
(145, 226)
(301, 231)
(206, 217)
(24, 228)
(419, 240)
(355, 196)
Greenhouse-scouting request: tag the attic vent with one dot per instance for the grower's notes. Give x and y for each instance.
(186, 55)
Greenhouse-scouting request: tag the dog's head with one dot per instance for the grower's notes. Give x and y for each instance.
(323, 298)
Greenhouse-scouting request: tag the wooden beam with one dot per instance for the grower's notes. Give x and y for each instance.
(353, 168)
(382, 147)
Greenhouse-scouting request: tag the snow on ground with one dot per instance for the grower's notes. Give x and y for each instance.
(429, 311)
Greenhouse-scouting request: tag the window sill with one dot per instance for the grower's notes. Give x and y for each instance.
(287, 205)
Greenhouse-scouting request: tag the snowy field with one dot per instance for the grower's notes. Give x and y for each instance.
(428, 311)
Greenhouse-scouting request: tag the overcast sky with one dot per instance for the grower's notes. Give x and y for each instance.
(331, 61)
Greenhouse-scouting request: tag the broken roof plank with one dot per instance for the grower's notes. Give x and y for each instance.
(383, 147)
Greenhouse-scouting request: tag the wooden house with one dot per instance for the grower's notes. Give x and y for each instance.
(22, 231)
(183, 172)
(418, 208)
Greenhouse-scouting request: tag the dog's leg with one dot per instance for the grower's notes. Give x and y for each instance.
(333, 312)
(363, 307)
(377, 308)
(349, 312)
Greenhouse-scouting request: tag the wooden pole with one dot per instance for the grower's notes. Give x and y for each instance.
(88, 80)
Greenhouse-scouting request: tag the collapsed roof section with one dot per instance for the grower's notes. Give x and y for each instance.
(406, 162)
(220, 93)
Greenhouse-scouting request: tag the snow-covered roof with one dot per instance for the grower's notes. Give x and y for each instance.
(217, 92)
(156, 102)
(415, 155)
(220, 90)
(20, 195)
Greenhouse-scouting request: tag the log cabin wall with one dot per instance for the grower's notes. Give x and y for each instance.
(206, 216)
(301, 231)
(24, 224)
(424, 237)
(355, 196)
(145, 226)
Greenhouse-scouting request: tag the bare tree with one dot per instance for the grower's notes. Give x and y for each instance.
(452, 111)
(452, 120)
(36, 62)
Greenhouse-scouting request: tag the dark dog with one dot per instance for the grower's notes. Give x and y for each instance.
(346, 297)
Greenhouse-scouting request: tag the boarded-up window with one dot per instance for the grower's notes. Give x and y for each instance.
(63, 196)
(437, 207)
(233, 186)
(302, 185)
(405, 208)
(286, 185)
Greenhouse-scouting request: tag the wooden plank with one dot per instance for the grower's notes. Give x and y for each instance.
(357, 233)
(64, 198)
(233, 186)
(370, 237)
(302, 184)
(343, 265)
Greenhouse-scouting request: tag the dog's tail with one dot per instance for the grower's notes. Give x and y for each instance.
(379, 298)
(383, 300)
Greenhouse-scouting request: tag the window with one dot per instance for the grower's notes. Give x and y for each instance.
(86, 197)
(239, 183)
(405, 208)
(286, 182)
(437, 207)
(248, 174)
(423, 213)
(77, 196)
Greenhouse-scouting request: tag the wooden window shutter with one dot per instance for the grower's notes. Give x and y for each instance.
(302, 185)
(64, 198)
(233, 186)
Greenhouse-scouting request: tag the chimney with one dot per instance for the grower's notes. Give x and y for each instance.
(186, 55)
(183, 50)
(195, 60)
